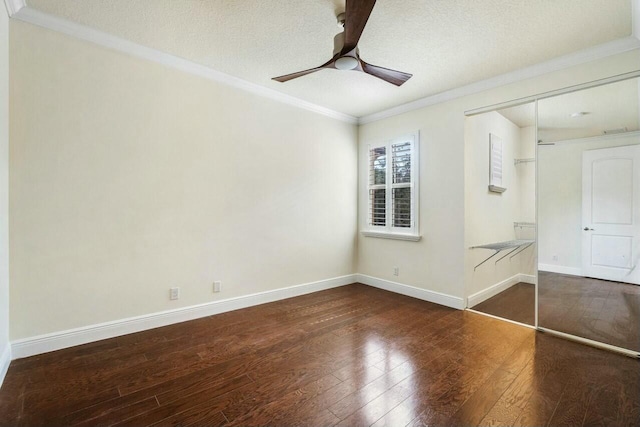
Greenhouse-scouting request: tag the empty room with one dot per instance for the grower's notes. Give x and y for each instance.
(319, 212)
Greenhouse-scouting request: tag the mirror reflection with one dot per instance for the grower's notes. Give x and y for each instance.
(589, 214)
(500, 177)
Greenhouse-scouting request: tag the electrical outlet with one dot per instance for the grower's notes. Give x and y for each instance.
(217, 286)
(396, 271)
(174, 293)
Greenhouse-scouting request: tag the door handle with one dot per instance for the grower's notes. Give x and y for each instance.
(589, 229)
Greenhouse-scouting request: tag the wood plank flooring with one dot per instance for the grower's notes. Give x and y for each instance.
(518, 303)
(349, 356)
(600, 310)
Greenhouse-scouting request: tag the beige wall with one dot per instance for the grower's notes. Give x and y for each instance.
(441, 261)
(560, 200)
(4, 181)
(428, 263)
(490, 216)
(128, 178)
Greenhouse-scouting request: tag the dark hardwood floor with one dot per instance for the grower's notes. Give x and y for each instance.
(600, 310)
(353, 355)
(518, 303)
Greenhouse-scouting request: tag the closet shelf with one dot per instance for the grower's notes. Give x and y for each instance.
(516, 246)
(524, 225)
(516, 162)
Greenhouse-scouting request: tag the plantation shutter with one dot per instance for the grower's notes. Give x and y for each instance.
(378, 187)
(401, 191)
(392, 189)
(496, 182)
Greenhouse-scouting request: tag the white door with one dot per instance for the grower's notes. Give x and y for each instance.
(611, 214)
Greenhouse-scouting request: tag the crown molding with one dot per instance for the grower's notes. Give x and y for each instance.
(14, 6)
(563, 62)
(18, 10)
(45, 20)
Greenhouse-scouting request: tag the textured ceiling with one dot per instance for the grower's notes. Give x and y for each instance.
(443, 43)
(609, 107)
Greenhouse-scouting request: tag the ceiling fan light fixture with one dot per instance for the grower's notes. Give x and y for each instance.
(346, 63)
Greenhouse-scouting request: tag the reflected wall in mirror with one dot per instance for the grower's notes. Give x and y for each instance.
(589, 214)
(500, 226)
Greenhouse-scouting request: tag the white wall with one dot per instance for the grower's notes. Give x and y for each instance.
(128, 178)
(441, 261)
(490, 216)
(441, 212)
(560, 200)
(4, 192)
(527, 178)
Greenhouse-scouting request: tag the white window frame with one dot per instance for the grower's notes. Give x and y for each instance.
(388, 231)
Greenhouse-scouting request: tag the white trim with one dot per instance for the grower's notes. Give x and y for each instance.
(394, 236)
(388, 231)
(35, 17)
(19, 10)
(560, 269)
(528, 278)
(5, 361)
(567, 61)
(592, 343)
(501, 318)
(537, 215)
(58, 340)
(411, 291)
(14, 6)
(494, 290)
(553, 93)
(587, 139)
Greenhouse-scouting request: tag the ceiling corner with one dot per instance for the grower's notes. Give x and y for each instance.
(13, 6)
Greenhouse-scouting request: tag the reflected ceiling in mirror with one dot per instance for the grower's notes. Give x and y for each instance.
(597, 111)
(522, 115)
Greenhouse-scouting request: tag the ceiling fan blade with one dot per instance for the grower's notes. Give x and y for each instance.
(392, 76)
(329, 64)
(292, 76)
(356, 15)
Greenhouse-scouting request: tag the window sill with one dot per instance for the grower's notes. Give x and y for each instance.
(395, 236)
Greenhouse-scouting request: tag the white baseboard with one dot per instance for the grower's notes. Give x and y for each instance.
(560, 269)
(494, 290)
(527, 278)
(58, 340)
(411, 291)
(5, 360)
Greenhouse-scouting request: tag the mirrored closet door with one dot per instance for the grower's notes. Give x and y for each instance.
(500, 178)
(588, 159)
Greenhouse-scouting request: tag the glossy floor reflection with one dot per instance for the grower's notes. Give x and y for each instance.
(349, 356)
(600, 310)
(518, 303)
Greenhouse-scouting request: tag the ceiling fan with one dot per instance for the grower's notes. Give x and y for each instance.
(346, 55)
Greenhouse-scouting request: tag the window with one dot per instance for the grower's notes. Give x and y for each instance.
(393, 189)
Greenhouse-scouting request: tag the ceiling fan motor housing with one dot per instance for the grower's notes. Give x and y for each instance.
(338, 43)
(345, 62)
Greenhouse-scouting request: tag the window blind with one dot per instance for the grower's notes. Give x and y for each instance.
(401, 188)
